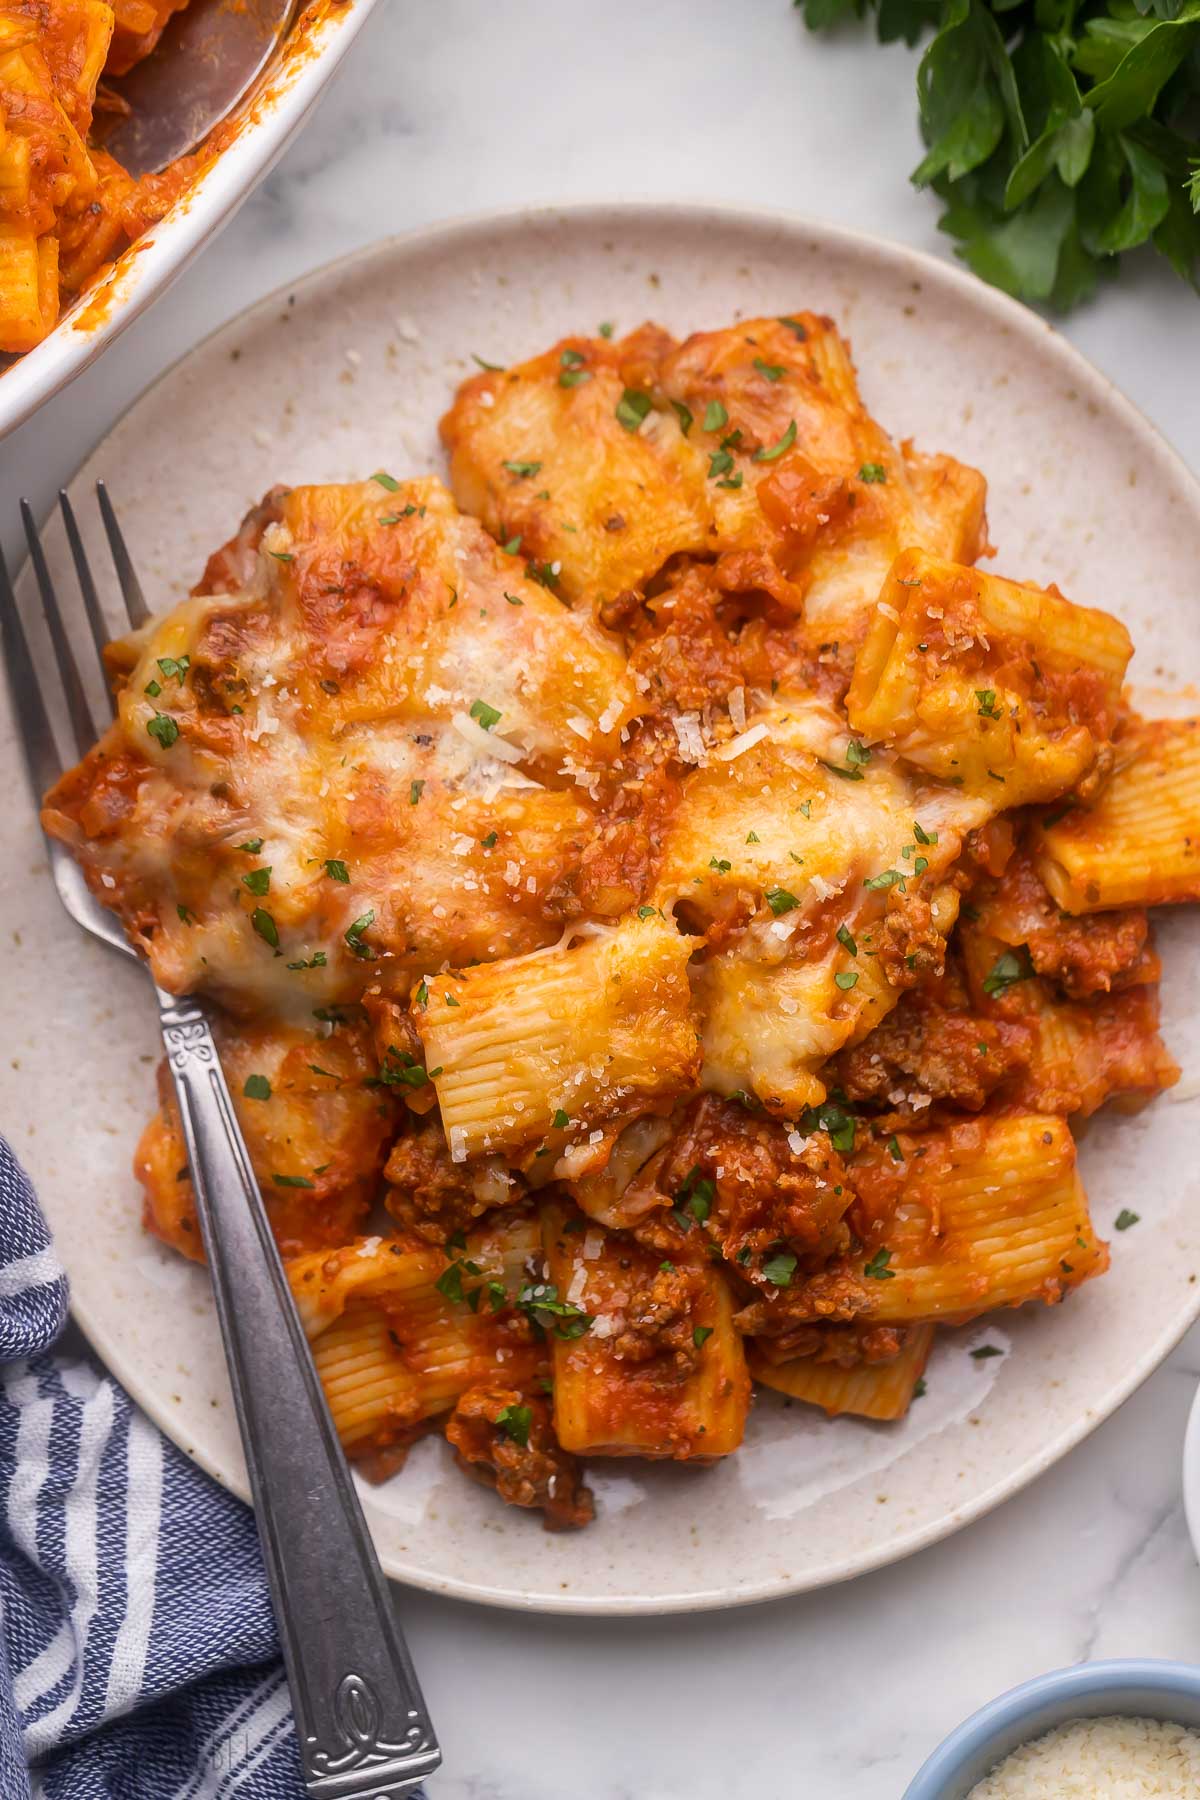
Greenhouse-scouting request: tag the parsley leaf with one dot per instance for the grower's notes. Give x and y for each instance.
(779, 900)
(780, 1269)
(386, 481)
(336, 869)
(516, 1421)
(163, 727)
(872, 472)
(522, 469)
(1009, 967)
(257, 1088)
(1125, 1219)
(877, 1269)
(258, 881)
(354, 933)
(486, 715)
(632, 408)
(779, 448)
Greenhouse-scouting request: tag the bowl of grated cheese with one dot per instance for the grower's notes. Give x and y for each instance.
(1122, 1730)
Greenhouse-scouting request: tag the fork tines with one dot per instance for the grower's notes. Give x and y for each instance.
(33, 716)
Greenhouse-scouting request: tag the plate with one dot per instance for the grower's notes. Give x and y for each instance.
(274, 113)
(348, 372)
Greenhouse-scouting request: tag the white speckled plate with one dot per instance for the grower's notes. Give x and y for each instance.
(349, 373)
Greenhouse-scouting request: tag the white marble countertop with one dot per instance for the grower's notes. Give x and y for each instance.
(464, 106)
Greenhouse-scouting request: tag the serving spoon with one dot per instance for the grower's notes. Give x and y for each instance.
(206, 60)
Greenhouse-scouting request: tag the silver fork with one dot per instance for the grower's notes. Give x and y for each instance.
(362, 1725)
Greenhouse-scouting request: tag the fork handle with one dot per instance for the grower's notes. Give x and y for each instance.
(361, 1722)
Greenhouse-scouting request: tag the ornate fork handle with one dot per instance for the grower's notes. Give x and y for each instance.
(362, 1725)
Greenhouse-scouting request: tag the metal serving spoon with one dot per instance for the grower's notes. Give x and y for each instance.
(207, 58)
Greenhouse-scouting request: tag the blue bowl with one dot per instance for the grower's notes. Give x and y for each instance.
(1137, 1687)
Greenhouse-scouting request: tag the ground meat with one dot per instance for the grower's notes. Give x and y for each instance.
(658, 1324)
(911, 948)
(504, 1439)
(779, 1341)
(1086, 954)
(925, 1051)
(682, 655)
(228, 570)
(762, 1194)
(434, 1197)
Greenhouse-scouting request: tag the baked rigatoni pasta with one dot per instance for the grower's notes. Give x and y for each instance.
(667, 910)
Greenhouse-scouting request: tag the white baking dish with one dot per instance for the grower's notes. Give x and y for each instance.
(297, 78)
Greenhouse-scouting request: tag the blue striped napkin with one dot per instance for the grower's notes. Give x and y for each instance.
(138, 1653)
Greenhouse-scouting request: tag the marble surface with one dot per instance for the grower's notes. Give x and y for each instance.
(466, 106)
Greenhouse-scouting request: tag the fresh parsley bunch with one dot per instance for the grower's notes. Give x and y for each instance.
(1060, 133)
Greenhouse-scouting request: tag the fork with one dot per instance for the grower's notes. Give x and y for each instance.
(363, 1728)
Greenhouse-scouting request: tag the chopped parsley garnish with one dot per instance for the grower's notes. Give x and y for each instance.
(632, 408)
(987, 703)
(509, 549)
(846, 978)
(920, 1389)
(163, 727)
(386, 481)
(772, 371)
(683, 414)
(540, 1301)
(779, 448)
(258, 880)
(561, 1119)
(449, 1282)
(257, 1088)
(422, 994)
(252, 846)
(857, 755)
(522, 469)
(186, 915)
(571, 375)
(894, 1150)
(1009, 967)
(647, 912)
(485, 715)
(719, 463)
(694, 1199)
(265, 926)
(415, 790)
(401, 1069)
(780, 1269)
(606, 328)
(317, 962)
(353, 934)
(795, 327)
(846, 940)
(488, 842)
(293, 1181)
(720, 864)
(283, 556)
(492, 368)
(885, 879)
(513, 599)
(985, 1351)
(701, 1335)
(174, 667)
(779, 900)
(516, 1421)
(831, 1118)
(872, 472)
(752, 837)
(715, 416)
(924, 837)
(731, 481)
(336, 869)
(877, 1269)
(153, 688)
(1125, 1219)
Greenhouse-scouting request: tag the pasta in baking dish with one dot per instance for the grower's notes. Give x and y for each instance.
(664, 905)
(66, 207)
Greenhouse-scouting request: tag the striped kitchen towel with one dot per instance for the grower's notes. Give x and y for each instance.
(138, 1653)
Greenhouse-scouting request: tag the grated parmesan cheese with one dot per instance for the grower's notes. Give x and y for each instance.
(744, 741)
(487, 741)
(1100, 1759)
(737, 708)
(691, 743)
